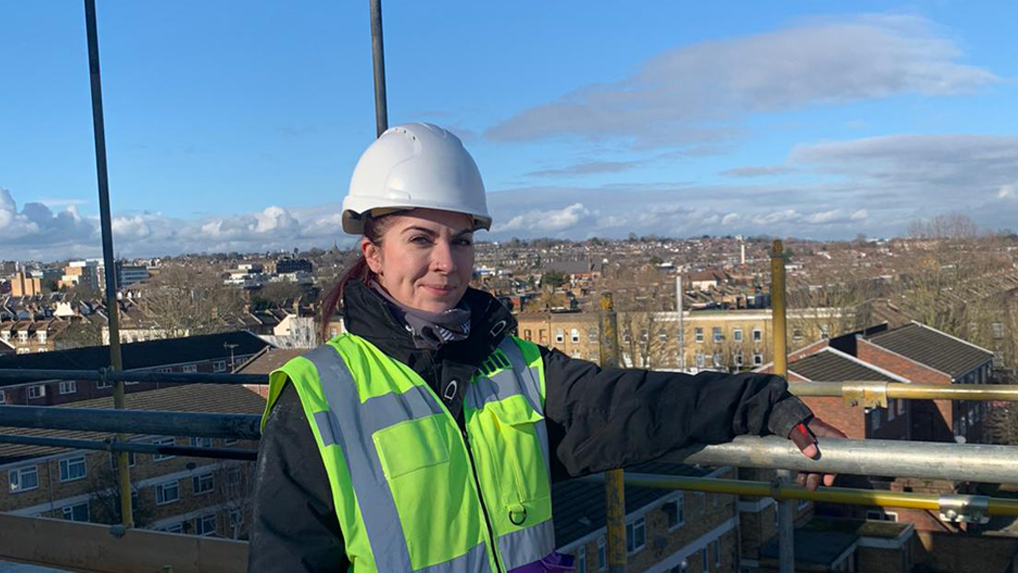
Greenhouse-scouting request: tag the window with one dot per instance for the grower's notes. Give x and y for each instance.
(68, 387)
(891, 408)
(718, 359)
(72, 469)
(662, 336)
(675, 511)
(881, 515)
(203, 483)
(23, 479)
(205, 525)
(602, 554)
(825, 331)
(704, 560)
(738, 359)
(796, 334)
(168, 492)
(737, 335)
(175, 528)
(76, 512)
(233, 479)
(528, 334)
(560, 335)
(757, 359)
(757, 335)
(235, 521)
(998, 330)
(901, 406)
(716, 334)
(581, 560)
(875, 419)
(3, 397)
(716, 550)
(699, 359)
(164, 442)
(201, 442)
(698, 333)
(219, 366)
(701, 500)
(100, 384)
(574, 335)
(681, 567)
(190, 368)
(636, 535)
(592, 335)
(36, 391)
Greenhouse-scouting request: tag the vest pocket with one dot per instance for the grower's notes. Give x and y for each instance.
(518, 450)
(410, 446)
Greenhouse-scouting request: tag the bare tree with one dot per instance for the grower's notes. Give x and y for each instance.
(186, 301)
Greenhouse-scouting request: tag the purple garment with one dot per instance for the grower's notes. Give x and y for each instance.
(553, 562)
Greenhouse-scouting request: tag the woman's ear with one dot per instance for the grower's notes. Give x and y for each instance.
(372, 255)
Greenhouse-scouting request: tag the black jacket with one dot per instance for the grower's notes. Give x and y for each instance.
(597, 419)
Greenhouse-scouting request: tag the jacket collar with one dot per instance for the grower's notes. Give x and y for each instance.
(367, 315)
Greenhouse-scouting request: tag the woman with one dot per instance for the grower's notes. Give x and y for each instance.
(427, 439)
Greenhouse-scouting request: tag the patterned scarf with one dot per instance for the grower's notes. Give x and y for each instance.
(430, 330)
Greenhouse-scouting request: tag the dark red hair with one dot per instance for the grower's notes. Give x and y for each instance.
(374, 228)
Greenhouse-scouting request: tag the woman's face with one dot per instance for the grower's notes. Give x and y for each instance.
(425, 259)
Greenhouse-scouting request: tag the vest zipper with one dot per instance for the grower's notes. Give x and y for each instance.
(499, 566)
(484, 507)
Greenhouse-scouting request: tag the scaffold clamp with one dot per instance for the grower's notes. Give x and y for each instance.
(865, 394)
(965, 508)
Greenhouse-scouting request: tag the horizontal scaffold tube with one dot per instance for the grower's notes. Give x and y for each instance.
(139, 448)
(109, 375)
(898, 390)
(952, 462)
(238, 426)
(931, 502)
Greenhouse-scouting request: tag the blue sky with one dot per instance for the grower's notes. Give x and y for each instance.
(235, 126)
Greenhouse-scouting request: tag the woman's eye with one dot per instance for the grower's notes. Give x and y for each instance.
(464, 242)
(420, 240)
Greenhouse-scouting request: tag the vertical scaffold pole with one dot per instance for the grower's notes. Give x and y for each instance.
(786, 508)
(378, 58)
(116, 362)
(614, 480)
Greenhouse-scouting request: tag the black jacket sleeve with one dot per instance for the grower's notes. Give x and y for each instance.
(294, 525)
(613, 418)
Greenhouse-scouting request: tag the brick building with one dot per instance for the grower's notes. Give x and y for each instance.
(216, 353)
(200, 496)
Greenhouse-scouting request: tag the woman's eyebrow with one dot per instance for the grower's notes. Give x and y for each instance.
(432, 233)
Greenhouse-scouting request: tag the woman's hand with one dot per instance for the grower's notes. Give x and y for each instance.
(804, 435)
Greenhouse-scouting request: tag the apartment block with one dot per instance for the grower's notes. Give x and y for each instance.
(201, 496)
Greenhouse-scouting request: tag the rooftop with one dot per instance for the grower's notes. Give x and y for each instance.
(139, 355)
(831, 366)
(933, 348)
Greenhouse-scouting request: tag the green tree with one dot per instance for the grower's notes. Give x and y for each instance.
(553, 279)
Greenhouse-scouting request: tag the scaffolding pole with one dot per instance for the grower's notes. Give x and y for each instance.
(842, 495)
(875, 393)
(116, 362)
(141, 422)
(614, 481)
(378, 61)
(786, 508)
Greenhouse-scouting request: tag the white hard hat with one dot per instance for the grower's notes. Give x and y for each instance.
(415, 165)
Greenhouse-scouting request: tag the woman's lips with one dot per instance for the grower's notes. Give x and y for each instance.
(440, 289)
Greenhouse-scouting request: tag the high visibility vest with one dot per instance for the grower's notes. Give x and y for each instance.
(412, 491)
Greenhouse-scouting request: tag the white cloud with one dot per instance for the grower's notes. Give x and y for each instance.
(552, 221)
(686, 95)
(1007, 191)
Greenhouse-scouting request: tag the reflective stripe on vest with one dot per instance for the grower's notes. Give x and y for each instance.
(415, 506)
